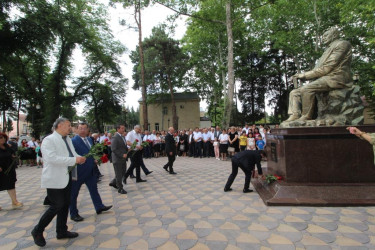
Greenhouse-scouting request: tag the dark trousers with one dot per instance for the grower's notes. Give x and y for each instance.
(206, 149)
(171, 159)
(192, 149)
(147, 152)
(235, 165)
(97, 171)
(136, 161)
(198, 149)
(92, 186)
(120, 171)
(59, 205)
(143, 166)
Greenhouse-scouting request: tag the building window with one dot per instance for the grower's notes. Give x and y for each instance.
(165, 111)
(157, 126)
(148, 127)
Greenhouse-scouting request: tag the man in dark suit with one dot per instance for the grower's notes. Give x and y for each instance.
(119, 154)
(86, 174)
(245, 160)
(170, 149)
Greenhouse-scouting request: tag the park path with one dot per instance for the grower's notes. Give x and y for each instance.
(185, 211)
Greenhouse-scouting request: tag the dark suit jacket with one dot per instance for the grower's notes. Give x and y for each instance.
(86, 169)
(170, 144)
(248, 158)
(119, 148)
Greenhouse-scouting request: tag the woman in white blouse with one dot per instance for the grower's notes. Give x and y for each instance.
(223, 139)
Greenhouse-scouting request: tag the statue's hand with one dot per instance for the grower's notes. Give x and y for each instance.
(299, 76)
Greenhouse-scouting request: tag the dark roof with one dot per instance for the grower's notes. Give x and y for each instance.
(177, 97)
(205, 119)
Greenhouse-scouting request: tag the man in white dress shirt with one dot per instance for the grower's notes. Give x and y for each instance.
(136, 156)
(58, 156)
(197, 135)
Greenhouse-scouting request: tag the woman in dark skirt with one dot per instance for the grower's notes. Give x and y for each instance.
(223, 147)
(8, 176)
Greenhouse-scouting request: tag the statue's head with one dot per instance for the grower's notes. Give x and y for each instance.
(330, 35)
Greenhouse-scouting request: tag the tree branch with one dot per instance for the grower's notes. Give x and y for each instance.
(190, 15)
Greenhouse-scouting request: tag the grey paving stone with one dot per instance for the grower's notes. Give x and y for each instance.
(363, 238)
(185, 244)
(318, 248)
(292, 236)
(326, 237)
(300, 226)
(359, 226)
(331, 226)
(249, 246)
(217, 245)
(156, 242)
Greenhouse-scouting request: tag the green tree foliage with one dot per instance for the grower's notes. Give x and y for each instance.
(40, 38)
(165, 65)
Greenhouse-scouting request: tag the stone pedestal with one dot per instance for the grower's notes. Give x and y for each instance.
(319, 166)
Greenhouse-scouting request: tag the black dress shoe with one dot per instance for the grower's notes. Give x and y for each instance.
(247, 190)
(172, 172)
(103, 209)
(66, 235)
(132, 176)
(77, 218)
(165, 168)
(140, 180)
(122, 191)
(149, 172)
(227, 189)
(112, 185)
(38, 238)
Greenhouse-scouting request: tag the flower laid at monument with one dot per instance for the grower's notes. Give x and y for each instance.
(272, 178)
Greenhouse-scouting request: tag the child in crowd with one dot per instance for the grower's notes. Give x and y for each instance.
(39, 160)
(251, 142)
(260, 143)
(243, 141)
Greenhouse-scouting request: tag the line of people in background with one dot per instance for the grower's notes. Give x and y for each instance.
(208, 142)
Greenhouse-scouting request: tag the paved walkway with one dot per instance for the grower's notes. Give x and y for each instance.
(185, 211)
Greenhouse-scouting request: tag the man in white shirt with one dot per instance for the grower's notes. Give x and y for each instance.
(103, 137)
(147, 150)
(212, 139)
(246, 128)
(135, 154)
(191, 143)
(58, 156)
(33, 144)
(206, 138)
(197, 135)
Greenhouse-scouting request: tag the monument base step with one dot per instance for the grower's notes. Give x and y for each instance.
(281, 193)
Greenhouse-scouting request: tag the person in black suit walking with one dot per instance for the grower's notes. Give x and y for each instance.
(245, 160)
(170, 149)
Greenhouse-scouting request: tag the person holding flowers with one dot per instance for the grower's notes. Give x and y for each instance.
(8, 165)
(86, 173)
(134, 140)
(58, 155)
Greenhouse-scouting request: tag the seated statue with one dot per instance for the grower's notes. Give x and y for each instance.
(331, 72)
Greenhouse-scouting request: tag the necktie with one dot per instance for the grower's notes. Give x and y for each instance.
(67, 146)
(87, 142)
(72, 170)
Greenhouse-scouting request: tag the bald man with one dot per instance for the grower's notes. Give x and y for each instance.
(170, 149)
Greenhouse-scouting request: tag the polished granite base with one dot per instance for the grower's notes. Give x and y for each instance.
(321, 166)
(281, 193)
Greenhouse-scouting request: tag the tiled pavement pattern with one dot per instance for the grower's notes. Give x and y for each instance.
(185, 211)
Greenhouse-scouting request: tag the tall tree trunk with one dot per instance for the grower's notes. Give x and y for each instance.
(140, 45)
(4, 121)
(174, 111)
(229, 103)
(18, 117)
